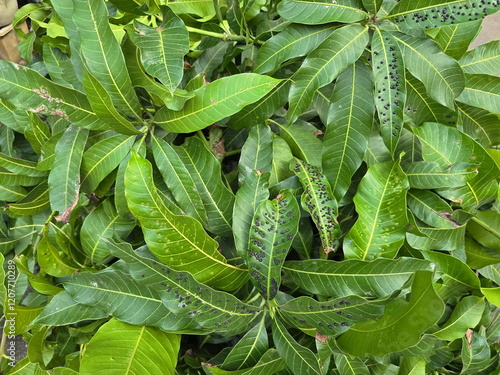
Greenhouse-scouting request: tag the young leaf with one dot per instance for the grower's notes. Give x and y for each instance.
(422, 311)
(483, 59)
(321, 11)
(381, 205)
(482, 91)
(299, 359)
(156, 347)
(318, 200)
(350, 119)
(339, 50)
(177, 240)
(331, 317)
(163, 48)
(274, 226)
(378, 278)
(214, 101)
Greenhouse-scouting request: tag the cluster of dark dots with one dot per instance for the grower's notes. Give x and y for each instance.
(449, 14)
(274, 288)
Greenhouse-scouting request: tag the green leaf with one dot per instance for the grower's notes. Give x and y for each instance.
(431, 209)
(64, 177)
(178, 180)
(27, 89)
(372, 6)
(479, 124)
(135, 348)
(212, 309)
(339, 50)
(379, 278)
(201, 8)
(389, 82)
(485, 229)
(35, 202)
(317, 199)
(299, 359)
(437, 238)
(101, 103)
(213, 102)
(103, 222)
(476, 353)
(466, 314)
(421, 312)
(482, 91)
(303, 143)
(321, 11)
(205, 170)
(250, 195)
(51, 261)
(479, 256)
(12, 193)
(350, 366)
(424, 14)
(102, 158)
(331, 317)
(440, 74)
(60, 67)
(350, 119)
(20, 166)
(483, 59)
(430, 175)
(279, 169)
(177, 240)
(163, 48)
(64, 310)
(103, 55)
(455, 39)
(294, 41)
(492, 295)
(273, 228)
(256, 153)
(381, 205)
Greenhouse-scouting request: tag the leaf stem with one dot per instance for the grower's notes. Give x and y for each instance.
(231, 153)
(486, 227)
(223, 36)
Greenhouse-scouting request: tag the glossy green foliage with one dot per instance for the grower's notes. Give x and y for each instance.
(251, 187)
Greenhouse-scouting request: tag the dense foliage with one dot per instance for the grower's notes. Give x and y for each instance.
(252, 187)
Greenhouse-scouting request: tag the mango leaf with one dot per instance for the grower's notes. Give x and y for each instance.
(321, 11)
(431, 209)
(214, 101)
(119, 295)
(274, 226)
(250, 195)
(425, 14)
(101, 103)
(12, 193)
(163, 48)
(302, 142)
(492, 295)
(485, 229)
(103, 55)
(178, 180)
(455, 39)
(27, 89)
(350, 119)
(372, 6)
(156, 347)
(256, 153)
(483, 59)
(202, 8)
(459, 148)
(479, 256)
(421, 312)
(317, 199)
(430, 175)
(299, 359)
(102, 158)
(466, 314)
(440, 74)
(431, 238)
(53, 261)
(339, 50)
(350, 366)
(183, 295)
(476, 353)
(380, 203)
(279, 168)
(205, 170)
(63, 309)
(481, 91)
(389, 81)
(64, 177)
(294, 41)
(378, 278)
(60, 68)
(177, 240)
(331, 317)
(479, 124)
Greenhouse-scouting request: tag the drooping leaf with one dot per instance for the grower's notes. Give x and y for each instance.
(350, 119)
(214, 101)
(299, 359)
(177, 240)
(321, 11)
(422, 311)
(273, 228)
(319, 202)
(482, 91)
(163, 48)
(483, 59)
(134, 349)
(380, 203)
(440, 74)
(379, 277)
(339, 50)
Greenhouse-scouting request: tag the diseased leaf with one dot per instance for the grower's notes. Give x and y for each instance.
(321, 11)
